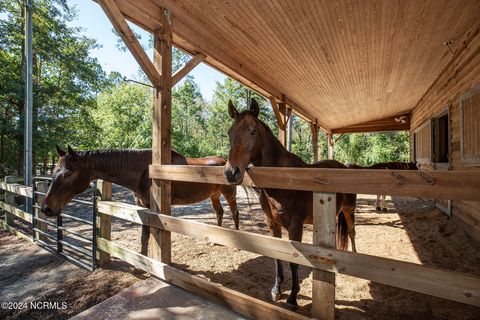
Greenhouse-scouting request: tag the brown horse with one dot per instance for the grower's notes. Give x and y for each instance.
(129, 168)
(251, 141)
(393, 165)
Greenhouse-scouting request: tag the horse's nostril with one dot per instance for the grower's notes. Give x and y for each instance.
(235, 171)
(47, 211)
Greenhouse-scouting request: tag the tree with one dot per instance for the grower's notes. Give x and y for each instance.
(369, 148)
(124, 117)
(218, 120)
(188, 119)
(65, 80)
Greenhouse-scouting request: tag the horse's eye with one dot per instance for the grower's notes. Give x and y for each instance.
(253, 132)
(66, 174)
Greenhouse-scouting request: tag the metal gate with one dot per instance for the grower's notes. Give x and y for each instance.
(75, 243)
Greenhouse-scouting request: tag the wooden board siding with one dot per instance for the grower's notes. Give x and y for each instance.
(470, 126)
(460, 77)
(340, 62)
(423, 144)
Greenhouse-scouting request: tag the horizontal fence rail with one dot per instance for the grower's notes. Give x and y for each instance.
(17, 188)
(239, 302)
(452, 185)
(437, 282)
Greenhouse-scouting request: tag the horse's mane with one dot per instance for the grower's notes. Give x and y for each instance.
(114, 159)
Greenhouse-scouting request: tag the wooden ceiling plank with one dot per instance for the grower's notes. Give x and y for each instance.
(342, 62)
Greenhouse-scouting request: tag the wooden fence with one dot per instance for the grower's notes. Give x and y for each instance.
(321, 256)
(325, 260)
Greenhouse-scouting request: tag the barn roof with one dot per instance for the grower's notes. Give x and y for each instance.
(340, 63)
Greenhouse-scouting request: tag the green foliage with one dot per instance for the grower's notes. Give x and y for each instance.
(124, 117)
(302, 141)
(369, 148)
(188, 119)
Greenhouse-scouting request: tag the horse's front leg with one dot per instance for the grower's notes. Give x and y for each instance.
(217, 206)
(384, 204)
(377, 203)
(144, 240)
(230, 194)
(275, 231)
(295, 230)
(276, 292)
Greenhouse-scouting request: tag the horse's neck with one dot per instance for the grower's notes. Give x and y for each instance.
(274, 154)
(103, 167)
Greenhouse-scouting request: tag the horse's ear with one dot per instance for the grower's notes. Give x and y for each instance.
(232, 111)
(71, 152)
(254, 108)
(60, 152)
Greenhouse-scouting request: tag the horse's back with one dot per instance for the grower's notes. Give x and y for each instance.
(207, 161)
(395, 165)
(328, 164)
(177, 158)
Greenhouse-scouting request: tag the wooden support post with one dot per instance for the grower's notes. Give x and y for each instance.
(280, 111)
(282, 130)
(104, 222)
(330, 146)
(41, 186)
(324, 226)
(9, 199)
(160, 240)
(314, 128)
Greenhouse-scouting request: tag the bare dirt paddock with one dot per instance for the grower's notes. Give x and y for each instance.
(412, 230)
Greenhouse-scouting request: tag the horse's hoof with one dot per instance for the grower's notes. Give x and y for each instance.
(385, 209)
(274, 297)
(291, 305)
(137, 271)
(378, 209)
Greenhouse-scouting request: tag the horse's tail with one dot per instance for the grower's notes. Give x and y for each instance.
(342, 232)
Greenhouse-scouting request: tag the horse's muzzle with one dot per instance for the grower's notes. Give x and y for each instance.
(48, 211)
(233, 175)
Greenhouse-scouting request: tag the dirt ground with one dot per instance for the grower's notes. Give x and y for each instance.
(412, 230)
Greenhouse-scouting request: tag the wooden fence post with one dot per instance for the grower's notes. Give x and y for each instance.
(330, 146)
(324, 227)
(9, 199)
(41, 186)
(160, 240)
(314, 129)
(104, 221)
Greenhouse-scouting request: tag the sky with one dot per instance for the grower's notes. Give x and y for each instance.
(96, 25)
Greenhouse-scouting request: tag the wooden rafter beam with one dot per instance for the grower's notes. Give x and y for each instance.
(395, 123)
(338, 138)
(189, 66)
(121, 26)
(278, 115)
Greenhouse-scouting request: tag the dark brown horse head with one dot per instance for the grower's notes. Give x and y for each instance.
(244, 141)
(68, 180)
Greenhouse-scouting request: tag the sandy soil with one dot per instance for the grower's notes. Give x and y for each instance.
(412, 230)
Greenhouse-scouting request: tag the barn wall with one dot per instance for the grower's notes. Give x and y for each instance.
(459, 77)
